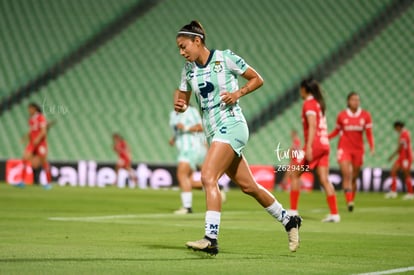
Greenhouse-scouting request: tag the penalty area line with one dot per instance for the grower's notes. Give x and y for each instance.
(390, 271)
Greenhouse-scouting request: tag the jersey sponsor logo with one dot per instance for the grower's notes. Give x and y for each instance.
(205, 88)
(223, 130)
(241, 63)
(189, 75)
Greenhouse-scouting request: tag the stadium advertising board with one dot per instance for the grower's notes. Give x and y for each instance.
(100, 174)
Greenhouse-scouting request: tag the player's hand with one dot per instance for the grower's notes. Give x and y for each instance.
(372, 152)
(179, 126)
(308, 153)
(180, 105)
(229, 98)
(171, 141)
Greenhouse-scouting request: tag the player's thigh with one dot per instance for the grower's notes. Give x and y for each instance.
(219, 157)
(346, 168)
(239, 171)
(184, 169)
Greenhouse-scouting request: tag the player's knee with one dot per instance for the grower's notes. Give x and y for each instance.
(208, 179)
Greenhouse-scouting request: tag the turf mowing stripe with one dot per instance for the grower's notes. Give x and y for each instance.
(390, 271)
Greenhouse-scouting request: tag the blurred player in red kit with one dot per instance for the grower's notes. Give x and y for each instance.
(316, 147)
(36, 150)
(121, 147)
(403, 163)
(350, 124)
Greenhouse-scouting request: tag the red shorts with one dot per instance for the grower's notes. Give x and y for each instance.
(123, 162)
(320, 158)
(404, 163)
(355, 157)
(39, 150)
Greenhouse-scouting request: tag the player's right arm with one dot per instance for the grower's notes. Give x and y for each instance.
(181, 100)
(337, 129)
(396, 152)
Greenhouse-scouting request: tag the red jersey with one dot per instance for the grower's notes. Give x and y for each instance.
(36, 123)
(350, 126)
(121, 148)
(312, 107)
(405, 151)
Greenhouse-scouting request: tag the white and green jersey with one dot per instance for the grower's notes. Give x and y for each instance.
(184, 140)
(207, 82)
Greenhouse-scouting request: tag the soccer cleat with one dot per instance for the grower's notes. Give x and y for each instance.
(292, 229)
(332, 218)
(350, 206)
(391, 195)
(20, 185)
(47, 186)
(408, 197)
(183, 211)
(208, 245)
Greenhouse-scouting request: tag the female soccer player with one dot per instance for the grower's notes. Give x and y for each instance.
(121, 147)
(36, 149)
(316, 145)
(212, 76)
(403, 163)
(350, 124)
(190, 143)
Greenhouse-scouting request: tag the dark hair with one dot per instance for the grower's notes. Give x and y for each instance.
(399, 124)
(312, 86)
(36, 106)
(193, 30)
(351, 94)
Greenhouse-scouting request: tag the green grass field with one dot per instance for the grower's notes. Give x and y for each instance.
(70, 230)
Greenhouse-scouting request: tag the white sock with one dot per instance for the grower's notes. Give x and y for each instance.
(277, 211)
(187, 199)
(212, 224)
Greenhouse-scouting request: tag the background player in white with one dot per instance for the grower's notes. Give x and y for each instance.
(212, 76)
(191, 146)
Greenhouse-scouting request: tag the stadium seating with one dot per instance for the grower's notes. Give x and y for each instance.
(381, 73)
(37, 33)
(127, 84)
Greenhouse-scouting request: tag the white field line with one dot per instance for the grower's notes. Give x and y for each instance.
(390, 271)
(112, 217)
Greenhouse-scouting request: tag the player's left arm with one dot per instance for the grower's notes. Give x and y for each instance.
(311, 118)
(254, 81)
(369, 133)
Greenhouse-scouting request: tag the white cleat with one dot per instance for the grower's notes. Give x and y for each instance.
(408, 197)
(391, 195)
(292, 229)
(183, 211)
(332, 218)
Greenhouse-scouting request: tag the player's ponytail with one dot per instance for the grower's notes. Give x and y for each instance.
(312, 87)
(35, 106)
(193, 30)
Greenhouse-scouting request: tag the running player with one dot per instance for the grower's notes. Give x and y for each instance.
(121, 147)
(36, 150)
(403, 163)
(212, 76)
(190, 143)
(316, 145)
(350, 124)
(295, 151)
